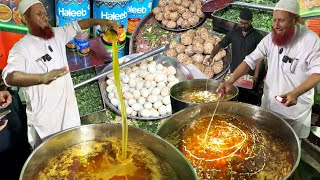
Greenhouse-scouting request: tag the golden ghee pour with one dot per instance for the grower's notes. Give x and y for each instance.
(111, 34)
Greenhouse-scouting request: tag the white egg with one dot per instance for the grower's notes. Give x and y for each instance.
(143, 73)
(159, 77)
(134, 113)
(125, 88)
(143, 66)
(165, 70)
(166, 100)
(169, 109)
(159, 66)
(139, 85)
(147, 105)
(145, 113)
(165, 91)
(110, 76)
(116, 95)
(132, 83)
(110, 88)
(171, 78)
(157, 104)
(110, 95)
(136, 94)
(153, 84)
(144, 92)
(170, 84)
(142, 100)
(162, 110)
(125, 79)
(149, 77)
(147, 84)
(122, 72)
(152, 98)
(127, 70)
(131, 102)
(127, 95)
(137, 107)
(160, 98)
(114, 101)
(150, 89)
(134, 69)
(131, 90)
(152, 68)
(155, 91)
(171, 70)
(154, 113)
(129, 110)
(110, 81)
(161, 85)
(132, 75)
(153, 63)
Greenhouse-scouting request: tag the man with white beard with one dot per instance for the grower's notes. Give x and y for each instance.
(293, 58)
(39, 65)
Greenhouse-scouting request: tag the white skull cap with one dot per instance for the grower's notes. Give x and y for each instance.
(24, 5)
(289, 6)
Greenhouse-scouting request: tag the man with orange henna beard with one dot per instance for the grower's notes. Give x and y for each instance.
(293, 59)
(38, 63)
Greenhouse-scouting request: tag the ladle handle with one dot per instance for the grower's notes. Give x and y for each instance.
(134, 60)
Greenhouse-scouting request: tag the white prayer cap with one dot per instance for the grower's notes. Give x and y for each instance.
(289, 6)
(24, 5)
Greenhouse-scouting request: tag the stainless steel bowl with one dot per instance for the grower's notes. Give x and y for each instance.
(178, 104)
(52, 146)
(182, 74)
(264, 118)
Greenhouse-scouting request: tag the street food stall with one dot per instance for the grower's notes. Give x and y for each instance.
(165, 80)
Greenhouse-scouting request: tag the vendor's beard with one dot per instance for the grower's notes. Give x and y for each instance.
(281, 40)
(44, 33)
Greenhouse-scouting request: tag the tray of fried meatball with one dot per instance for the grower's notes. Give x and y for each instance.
(195, 46)
(179, 15)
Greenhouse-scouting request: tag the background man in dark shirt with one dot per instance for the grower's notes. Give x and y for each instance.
(243, 40)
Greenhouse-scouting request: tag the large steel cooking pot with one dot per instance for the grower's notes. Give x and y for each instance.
(52, 146)
(262, 117)
(211, 85)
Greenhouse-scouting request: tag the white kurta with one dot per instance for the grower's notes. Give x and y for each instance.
(283, 77)
(50, 108)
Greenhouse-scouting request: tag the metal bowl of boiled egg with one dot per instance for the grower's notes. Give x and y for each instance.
(145, 86)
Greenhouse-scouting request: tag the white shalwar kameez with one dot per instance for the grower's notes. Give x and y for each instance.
(50, 108)
(283, 77)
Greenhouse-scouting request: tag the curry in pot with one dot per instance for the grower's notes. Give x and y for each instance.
(202, 96)
(234, 148)
(101, 160)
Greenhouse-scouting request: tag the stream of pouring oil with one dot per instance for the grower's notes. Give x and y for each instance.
(111, 34)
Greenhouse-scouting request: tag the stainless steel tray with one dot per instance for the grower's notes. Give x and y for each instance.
(182, 74)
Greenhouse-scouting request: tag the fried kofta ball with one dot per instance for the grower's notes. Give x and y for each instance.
(193, 20)
(173, 44)
(197, 48)
(172, 53)
(189, 50)
(179, 22)
(186, 39)
(197, 58)
(217, 67)
(207, 47)
(185, 24)
(171, 24)
(186, 15)
(180, 48)
(159, 16)
(156, 10)
(181, 9)
(174, 16)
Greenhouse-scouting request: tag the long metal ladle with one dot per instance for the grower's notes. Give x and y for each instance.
(132, 61)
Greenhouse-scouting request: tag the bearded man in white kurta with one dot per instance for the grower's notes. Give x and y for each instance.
(38, 63)
(293, 54)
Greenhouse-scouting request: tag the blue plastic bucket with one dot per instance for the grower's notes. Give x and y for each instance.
(137, 10)
(113, 10)
(69, 11)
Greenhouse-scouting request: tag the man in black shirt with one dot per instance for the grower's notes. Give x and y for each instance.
(243, 40)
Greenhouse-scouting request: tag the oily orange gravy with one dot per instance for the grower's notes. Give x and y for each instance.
(102, 160)
(202, 96)
(235, 148)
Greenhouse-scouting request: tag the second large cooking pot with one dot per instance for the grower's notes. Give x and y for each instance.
(278, 128)
(211, 85)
